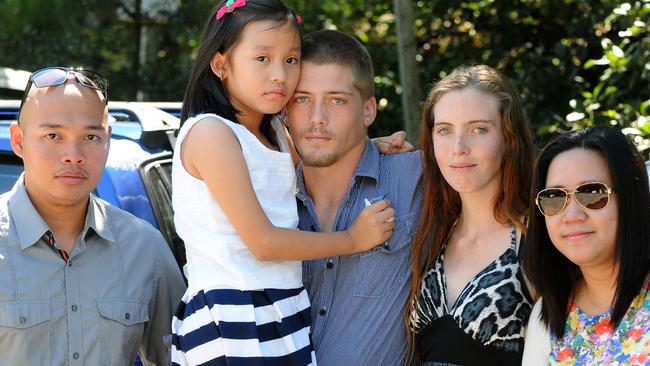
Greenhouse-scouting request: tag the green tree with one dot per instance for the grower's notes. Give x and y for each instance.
(620, 96)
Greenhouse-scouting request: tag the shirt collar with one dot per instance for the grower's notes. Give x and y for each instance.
(369, 163)
(97, 219)
(30, 226)
(368, 167)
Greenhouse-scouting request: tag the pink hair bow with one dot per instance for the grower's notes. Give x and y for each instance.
(229, 7)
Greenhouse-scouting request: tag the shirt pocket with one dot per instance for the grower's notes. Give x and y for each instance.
(122, 328)
(25, 328)
(383, 269)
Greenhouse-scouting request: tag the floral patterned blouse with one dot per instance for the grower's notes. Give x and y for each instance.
(590, 340)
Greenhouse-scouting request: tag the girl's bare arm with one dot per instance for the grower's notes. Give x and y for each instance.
(212, 153)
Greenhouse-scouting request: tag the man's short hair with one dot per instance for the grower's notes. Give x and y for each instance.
(334, 47)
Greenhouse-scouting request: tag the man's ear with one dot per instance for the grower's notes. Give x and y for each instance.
(369, 111)
(219, 65)
(16, 138)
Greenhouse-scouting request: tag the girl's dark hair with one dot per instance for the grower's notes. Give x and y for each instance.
(442, 203)
(553, 275)
(205, 92)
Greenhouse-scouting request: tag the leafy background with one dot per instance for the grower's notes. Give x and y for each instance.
(575, 63)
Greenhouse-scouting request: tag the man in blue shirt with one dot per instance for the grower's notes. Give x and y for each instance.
(357, 300)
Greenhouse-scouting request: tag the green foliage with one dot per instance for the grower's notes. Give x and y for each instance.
(576, 63)
(621, 95)
(39, 33)
(104, 35)
(539, 45)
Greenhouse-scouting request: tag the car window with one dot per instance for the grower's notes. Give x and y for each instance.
(156, 176)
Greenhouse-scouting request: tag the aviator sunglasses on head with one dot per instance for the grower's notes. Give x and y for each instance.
(52, 76)
(590, 195)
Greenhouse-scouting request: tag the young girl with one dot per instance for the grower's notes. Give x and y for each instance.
(234, 203)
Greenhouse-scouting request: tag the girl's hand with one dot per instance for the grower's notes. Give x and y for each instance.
(393, 144)
(373, 226)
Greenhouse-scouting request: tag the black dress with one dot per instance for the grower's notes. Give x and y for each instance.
(485, 326)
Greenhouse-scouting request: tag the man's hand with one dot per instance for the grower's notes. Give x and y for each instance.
(393, 144)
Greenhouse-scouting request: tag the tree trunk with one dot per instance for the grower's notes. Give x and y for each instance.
(408, 68)
(137, 42)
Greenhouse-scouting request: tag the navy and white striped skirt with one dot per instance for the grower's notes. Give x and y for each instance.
(234, 327)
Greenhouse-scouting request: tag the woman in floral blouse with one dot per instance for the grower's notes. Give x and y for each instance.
(587, 252)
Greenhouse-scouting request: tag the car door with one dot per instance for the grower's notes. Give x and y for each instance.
(156, 174)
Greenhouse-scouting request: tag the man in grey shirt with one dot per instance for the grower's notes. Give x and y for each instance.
(357, 300)
(81, 282)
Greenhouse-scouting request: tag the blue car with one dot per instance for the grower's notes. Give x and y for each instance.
(137, 177)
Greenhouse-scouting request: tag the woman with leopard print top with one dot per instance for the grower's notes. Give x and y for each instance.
(469, 303)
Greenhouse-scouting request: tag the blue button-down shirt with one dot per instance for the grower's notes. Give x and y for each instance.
(358, 300)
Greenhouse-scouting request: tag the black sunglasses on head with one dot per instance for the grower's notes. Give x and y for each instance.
(52, 76)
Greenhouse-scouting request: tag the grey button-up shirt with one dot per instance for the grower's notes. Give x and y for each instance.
(114, 297)
(358, 300)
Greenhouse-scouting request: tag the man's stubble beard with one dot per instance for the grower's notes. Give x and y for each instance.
(319, 160)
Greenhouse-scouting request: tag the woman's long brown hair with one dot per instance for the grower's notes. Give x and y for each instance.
(442, 205)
